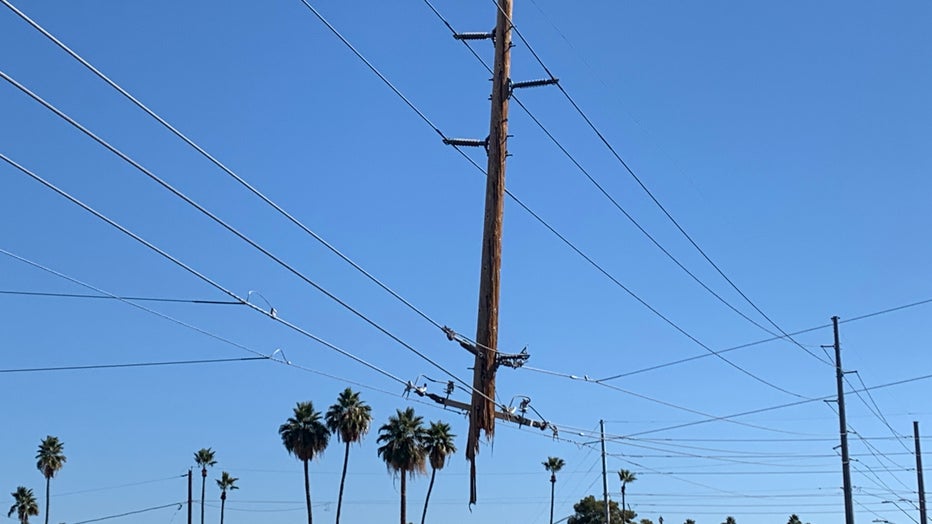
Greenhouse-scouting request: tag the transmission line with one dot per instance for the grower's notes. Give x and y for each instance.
(225, 225)
(132, 365)
(137, 299)
(651, 195)
(537, 217)
(596, 183)
(193, 271)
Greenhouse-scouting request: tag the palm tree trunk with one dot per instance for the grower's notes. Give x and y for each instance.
(430, 487)
(342, 481)
(203, 488)
(307, 494)
(223, 503)
(48, 482)
(553, 484)
(404, 496)
(624, 511)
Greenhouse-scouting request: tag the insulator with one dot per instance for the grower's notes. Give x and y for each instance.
(473, 36)
(464, 142)
(535, 83)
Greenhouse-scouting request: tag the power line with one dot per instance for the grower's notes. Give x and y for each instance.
(102, 292)
(108, 488)
(193, 271)
(688, 410)
(138, 299)
(537, 217)
(772, 408)
(650, 194)
(595, 182)
(226, 226)
(587, 378)
(136, 512)
(133, 365)
(282, 361)
(878, 413)
(220, 165)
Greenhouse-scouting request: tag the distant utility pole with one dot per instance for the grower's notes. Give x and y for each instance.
(922, 489)
(190, 497)
(843, 427)
(608, 512)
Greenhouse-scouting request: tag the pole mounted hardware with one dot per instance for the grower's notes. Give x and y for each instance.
(467, 142)
(505, 414)
(474, 36)
(510, 360)
(535, 83)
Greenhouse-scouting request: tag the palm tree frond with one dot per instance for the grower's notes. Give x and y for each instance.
(204, 457)
(553, 464)
(51, 457)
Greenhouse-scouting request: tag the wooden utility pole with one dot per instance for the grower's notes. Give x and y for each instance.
(922, 489)
(482, 412)
(843, 428)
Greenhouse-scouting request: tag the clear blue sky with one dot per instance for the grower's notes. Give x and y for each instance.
(790, 139)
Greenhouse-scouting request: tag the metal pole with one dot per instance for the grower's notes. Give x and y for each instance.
(190, 497)
(843, 428)
(608, 512)
(922, 489)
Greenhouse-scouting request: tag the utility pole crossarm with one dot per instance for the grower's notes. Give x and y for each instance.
(500, 415)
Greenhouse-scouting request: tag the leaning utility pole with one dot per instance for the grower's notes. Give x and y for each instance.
(482, 414)
(922, 489)
(843, 428)
(487, 359)
(608, 512)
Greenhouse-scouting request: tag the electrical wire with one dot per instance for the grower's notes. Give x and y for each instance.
(688, 410)
(730, 349)
(138, 299)
(647, 191)
(193, 271)
(875, 478)
(620, 208)
(132, 365)
(875, 410)
(108, 488)
(128, 513)
(536, 216)
(770, 408)
(222, 166)
(169, 318)
(232, 230)
(596, 183)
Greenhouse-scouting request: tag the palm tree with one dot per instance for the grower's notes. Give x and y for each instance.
(729, 520)
(349, 420)
(625, 477)
(305, 437)
(553, 465)
(226, 483)
(438, 445)
(402, 449)
(49, 459)
(24, 505)
(204, 458)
